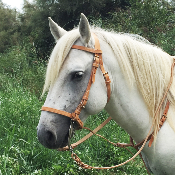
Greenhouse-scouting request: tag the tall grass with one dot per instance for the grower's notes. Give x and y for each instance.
(21, 67)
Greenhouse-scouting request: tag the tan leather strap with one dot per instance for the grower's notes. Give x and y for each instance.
(121, 145)
(87, 136)
(74, 116)
(98, 57)
(87, 49)
(166, 92)
(162, 120)
(53, 110)
(151, 137)
(105, 74)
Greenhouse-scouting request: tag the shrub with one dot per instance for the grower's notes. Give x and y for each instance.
(20, 66)
(154, 20)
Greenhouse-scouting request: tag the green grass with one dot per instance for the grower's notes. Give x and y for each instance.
(21, 153)
(21, 67)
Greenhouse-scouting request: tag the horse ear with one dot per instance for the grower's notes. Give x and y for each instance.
(56, 31)
(84, 29)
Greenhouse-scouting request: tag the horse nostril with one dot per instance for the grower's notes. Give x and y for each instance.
(50, 137)
(47, 137)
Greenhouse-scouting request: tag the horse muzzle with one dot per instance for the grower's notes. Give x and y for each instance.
(53, 134)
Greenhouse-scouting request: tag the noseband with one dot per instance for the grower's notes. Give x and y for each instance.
(97, 62)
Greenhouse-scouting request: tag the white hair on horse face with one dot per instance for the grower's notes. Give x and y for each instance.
(142, 64)
(58, 56)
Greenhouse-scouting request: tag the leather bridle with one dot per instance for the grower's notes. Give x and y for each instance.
(97, 62)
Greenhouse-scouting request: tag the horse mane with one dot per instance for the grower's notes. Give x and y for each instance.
(141, 62)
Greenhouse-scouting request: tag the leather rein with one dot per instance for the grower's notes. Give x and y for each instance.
(98, 62)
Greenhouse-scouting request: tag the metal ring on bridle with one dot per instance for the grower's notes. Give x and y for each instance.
(71, 132)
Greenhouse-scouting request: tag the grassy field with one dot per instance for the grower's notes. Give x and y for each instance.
(21, 153)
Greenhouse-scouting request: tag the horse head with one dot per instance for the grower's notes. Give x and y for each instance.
(69, 84)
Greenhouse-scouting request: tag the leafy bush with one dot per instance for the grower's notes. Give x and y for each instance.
(154, 20)
(20, 66)
(9, 26)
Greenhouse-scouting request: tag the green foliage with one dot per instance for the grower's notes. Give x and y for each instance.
(35, 18)
(21, 67)
(154, 20)
(150, 18)
(35, 26)
(8, 27)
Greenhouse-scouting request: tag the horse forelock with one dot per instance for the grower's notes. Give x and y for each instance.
(58, 56)
(142, 64)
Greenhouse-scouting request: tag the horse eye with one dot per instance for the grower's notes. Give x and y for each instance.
(78, 75)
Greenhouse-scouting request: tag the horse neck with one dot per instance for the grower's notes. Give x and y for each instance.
(126, 105)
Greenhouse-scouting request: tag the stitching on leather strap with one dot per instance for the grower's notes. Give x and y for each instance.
(161, 122)
(105, 74)
(67, 114)
(87, 49)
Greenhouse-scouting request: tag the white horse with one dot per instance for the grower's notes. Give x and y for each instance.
(139, 73)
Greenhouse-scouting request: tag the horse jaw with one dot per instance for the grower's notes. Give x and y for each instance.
(56, 30)
(84, 30)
